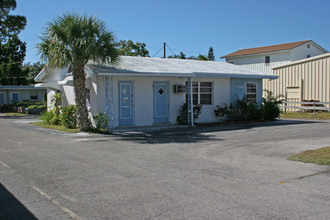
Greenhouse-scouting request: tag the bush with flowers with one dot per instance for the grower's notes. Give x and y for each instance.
(68, 116)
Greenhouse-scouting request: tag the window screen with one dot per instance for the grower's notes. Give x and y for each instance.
(202, 93)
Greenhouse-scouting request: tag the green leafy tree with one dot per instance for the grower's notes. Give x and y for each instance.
(32, 70)
(192, 58)
(9, 24)
(72, 40)
(12, 55)
(210, 55)
(12, 49)
(201, 57)
(129, 48)
(180, 56)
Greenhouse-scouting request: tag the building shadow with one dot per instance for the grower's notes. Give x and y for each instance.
(189, 135)
(197, 134)
(11, 208)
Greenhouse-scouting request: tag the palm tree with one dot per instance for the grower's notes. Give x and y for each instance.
(72, 41)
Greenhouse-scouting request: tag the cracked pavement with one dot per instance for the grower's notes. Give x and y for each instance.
(226, 172)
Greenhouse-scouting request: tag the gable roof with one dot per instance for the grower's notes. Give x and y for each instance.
(271, 48)
(157, 67)
(146, 66)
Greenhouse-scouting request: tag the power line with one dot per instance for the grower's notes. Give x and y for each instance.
(158, 52)
(170, 49)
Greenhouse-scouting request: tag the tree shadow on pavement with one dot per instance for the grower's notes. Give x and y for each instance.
(11, 208)
(196, 134)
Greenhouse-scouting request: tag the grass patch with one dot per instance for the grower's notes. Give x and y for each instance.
(29, 104)
(64, 129)
(319, 156)
(55, 127)
(305, 115)
(14, 114)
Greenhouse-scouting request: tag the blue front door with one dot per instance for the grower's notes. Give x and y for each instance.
(14, 97)
(160, 102)
(125, 103)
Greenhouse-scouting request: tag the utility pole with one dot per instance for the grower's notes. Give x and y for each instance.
(164, 50)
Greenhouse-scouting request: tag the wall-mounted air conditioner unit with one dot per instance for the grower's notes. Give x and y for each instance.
(180, 88)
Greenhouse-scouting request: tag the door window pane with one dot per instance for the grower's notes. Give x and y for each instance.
(251, 92)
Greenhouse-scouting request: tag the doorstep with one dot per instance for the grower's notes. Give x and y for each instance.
(154, 127)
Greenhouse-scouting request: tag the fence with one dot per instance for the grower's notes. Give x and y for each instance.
(309, 106)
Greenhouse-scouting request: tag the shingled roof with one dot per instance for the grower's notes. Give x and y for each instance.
(266, 49)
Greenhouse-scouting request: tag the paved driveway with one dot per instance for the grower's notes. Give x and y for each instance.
(231, 172)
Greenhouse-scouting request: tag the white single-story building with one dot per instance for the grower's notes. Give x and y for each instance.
(14, 94)
(144, 91)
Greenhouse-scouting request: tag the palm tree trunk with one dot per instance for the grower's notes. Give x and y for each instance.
(79, 78)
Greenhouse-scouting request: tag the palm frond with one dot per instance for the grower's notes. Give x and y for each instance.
(71, 39)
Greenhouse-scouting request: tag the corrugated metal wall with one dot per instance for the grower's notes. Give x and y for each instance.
(310, 76)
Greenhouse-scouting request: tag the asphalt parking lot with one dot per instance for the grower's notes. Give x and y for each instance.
(226, 172)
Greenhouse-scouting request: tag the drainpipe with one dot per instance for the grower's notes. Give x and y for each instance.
(190, 106)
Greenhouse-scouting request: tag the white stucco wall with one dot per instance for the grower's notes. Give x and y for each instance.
(68, 96)
(93, 88)
(143, 98)
(50, 95)
(221, 95)
(23, 94)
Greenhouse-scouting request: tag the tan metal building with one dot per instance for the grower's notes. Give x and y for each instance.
(302, 80)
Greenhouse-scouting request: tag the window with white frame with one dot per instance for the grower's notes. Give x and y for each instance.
(202, 93)
(251, 92)
(33, 95)
(267, 59)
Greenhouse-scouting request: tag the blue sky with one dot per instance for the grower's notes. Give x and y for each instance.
(191, 26)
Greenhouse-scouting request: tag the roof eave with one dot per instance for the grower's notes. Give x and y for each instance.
(236, 75)
(318, 46)
(40, 75)
(226, 75)
(148, 74)
(253, 54)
